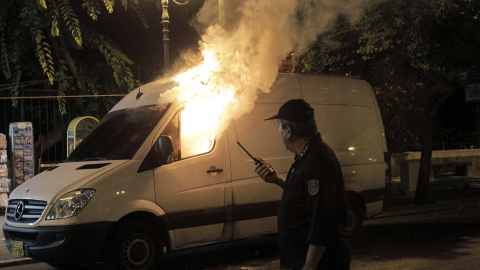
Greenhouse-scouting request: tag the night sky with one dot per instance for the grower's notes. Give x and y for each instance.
(145, 46)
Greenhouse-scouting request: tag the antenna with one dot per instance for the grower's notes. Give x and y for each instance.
(139, 94)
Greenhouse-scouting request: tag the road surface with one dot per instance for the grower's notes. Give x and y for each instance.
(444, 239)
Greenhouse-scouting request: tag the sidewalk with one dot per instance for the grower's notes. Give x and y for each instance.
(444, 194)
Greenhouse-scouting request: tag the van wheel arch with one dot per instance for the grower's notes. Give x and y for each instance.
(146, 220)
(356, 213)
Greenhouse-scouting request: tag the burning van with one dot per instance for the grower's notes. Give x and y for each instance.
(147, 180)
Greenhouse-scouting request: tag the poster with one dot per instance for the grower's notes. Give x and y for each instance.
(5, 182)
(21, 136)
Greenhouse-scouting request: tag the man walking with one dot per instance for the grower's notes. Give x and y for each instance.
(313, 207)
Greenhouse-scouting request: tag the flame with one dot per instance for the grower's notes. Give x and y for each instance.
(201, 73)
(206, 102)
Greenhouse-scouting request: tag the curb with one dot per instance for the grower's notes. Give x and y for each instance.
(438, 206)
(16, 262)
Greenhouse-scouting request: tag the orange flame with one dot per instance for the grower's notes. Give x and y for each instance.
(206, 102)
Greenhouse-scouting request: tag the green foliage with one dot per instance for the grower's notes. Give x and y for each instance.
(71, 21)
(138, 10)
(334, 51)
(109, 5)
(4, 54)
(92, 7)
(66, 48)
(42, 48)
(42, 4)
(412, 46)
(410, 51)
(114, 57)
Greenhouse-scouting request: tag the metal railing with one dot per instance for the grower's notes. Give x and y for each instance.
(41, 107)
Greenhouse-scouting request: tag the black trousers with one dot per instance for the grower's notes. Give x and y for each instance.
(336, 255)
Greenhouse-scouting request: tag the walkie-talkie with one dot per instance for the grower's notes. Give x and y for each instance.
(256, 160)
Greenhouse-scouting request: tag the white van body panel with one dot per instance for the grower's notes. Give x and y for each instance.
(127, 207)
(51, 184)
(124, 191)
(149, 95)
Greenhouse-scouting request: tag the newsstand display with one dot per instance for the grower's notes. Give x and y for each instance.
(4, 180)
(21, 136)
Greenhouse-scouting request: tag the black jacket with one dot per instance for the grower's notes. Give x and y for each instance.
(313, 206)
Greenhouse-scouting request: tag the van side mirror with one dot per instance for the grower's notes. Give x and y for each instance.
(160, 154)
(165, 149)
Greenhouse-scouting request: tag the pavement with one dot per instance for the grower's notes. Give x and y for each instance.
(445, 193)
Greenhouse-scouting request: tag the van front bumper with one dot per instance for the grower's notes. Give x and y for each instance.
(60, 244)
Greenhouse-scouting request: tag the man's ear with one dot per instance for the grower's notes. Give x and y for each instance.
(288, 132)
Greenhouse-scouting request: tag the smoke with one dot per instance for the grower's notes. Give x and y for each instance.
(258, 34)
(251, 42)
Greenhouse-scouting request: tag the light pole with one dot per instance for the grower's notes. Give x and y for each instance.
(165, 23)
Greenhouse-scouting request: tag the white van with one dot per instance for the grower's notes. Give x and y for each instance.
(128, 193)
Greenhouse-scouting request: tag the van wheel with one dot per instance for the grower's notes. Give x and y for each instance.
(355, 217)
(135, 246)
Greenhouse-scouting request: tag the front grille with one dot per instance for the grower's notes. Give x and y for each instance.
(32, 212)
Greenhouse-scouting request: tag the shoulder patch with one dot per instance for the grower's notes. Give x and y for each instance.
(313, 187)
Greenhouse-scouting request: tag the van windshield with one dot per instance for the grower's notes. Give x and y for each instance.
(119, 134)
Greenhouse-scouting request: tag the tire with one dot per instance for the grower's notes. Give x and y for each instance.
(134, 246)
(355, 217)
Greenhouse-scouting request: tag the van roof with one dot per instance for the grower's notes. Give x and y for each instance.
(319, 88)
(314, 88)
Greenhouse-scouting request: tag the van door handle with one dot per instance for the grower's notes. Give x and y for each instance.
(214, 170)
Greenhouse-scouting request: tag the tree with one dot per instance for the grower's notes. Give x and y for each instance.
(67, 50)
(411, 52)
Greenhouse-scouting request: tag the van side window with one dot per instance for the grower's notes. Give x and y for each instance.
(187, 143)
(173, 130)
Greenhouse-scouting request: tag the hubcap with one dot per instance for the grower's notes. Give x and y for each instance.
(350, 221)
(137, 251)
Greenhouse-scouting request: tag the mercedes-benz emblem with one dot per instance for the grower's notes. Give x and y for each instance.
(19, 210)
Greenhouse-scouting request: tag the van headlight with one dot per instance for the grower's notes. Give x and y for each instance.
(70, 204)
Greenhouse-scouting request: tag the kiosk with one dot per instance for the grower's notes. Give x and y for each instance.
(78, 129)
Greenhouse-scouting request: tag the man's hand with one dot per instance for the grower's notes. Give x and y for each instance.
(268, 173)
(314, 255)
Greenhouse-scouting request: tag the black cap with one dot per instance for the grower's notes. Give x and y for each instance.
(296, 110)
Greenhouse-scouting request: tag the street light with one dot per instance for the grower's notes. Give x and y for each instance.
(165, 23)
